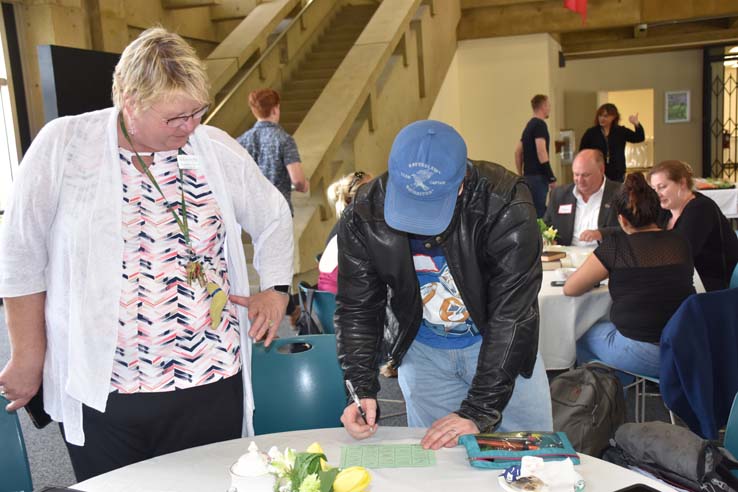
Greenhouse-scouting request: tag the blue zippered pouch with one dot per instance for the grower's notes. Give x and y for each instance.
(499, 450)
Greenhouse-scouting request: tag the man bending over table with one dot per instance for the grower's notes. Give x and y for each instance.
(456, 244)
(582, 211)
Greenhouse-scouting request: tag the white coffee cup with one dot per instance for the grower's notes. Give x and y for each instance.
(578, 257)
(562, 274)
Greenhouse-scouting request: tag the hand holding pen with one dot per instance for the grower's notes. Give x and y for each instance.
(359, 416)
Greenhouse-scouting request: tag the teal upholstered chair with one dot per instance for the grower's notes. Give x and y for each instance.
(15, 473)
(298, 384)
(734, 278)
(323, 306)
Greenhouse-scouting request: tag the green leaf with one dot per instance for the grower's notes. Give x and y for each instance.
(305, 464)
(327, 478)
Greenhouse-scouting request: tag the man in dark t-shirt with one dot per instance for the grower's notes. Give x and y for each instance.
(531, 153)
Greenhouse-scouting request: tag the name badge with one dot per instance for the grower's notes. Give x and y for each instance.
(565, 209)
(188, 162)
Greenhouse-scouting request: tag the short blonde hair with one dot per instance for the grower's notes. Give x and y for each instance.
(159, 64)
(343, 191)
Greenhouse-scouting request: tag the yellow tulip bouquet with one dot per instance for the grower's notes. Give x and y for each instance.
(309, 472)
(548, 233)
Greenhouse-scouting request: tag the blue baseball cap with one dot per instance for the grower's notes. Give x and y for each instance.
(427, 164)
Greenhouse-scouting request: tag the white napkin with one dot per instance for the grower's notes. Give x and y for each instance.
(559, 476)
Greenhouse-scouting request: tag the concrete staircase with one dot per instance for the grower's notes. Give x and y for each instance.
(307, 83)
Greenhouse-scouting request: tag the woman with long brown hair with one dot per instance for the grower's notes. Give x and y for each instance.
(609, 137)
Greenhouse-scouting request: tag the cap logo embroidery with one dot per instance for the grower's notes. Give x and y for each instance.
(421, 179)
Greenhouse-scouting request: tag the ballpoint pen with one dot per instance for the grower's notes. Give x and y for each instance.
(355, 397)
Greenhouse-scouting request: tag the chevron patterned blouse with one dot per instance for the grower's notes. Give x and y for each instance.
(165, 341)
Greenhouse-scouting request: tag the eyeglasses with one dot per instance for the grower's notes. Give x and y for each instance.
(178, 121)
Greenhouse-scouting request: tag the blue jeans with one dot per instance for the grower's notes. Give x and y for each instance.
(435, 381)
(604, 342)
(538, 185)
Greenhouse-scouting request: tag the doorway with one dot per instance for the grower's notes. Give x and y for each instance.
(638, 156)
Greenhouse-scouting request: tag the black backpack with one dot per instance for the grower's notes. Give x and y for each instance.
(589, 406)
(675, 455)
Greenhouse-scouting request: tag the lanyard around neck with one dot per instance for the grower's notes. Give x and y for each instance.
(181, 222)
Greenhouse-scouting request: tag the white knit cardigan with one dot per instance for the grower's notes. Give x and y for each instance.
(61, 234)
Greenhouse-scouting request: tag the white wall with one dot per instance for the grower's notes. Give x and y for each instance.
(447, 107)
(495, 79)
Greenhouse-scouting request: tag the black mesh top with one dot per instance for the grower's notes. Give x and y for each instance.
(650, 275)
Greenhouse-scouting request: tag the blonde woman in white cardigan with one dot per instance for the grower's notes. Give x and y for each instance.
(123, 273)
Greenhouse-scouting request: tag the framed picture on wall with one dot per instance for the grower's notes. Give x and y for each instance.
(677, 107)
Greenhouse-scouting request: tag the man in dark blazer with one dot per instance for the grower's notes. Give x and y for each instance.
(582, 212)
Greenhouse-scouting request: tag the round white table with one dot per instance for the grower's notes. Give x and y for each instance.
(206, 468)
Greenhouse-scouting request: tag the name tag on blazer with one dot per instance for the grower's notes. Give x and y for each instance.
(565, 209)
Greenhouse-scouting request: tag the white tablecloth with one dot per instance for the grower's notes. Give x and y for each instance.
(727, 200)
(206, 468)
(565, 319)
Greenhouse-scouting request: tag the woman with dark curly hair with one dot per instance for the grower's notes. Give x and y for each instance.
(650, 273)
(609, 137)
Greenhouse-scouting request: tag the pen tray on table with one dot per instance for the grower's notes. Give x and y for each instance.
(503, 449)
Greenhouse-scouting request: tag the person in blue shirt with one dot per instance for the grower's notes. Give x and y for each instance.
(273, 149)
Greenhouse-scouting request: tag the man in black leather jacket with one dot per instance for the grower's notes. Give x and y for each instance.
(456, 246)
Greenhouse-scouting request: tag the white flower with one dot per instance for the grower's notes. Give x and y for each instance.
(281, 463)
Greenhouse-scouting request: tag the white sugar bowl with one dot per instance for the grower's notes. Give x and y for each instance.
(251, 473)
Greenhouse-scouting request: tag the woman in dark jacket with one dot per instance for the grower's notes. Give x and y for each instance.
(609, 137)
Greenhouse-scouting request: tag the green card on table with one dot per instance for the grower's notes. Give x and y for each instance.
(387, 456)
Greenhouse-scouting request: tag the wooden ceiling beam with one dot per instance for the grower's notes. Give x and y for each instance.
(474, 4)
(187, 4)
(545, 16)
(491, 18)
(669, 38)
(670, 10)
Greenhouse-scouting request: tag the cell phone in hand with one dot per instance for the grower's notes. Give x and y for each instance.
(36, 412)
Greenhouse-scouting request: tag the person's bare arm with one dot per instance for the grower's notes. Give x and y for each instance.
(297, 176)
(519, 157)
(541, 150)
(21, 376)
(586, 276)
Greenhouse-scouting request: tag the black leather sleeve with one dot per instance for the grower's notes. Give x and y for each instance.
(360, 308)
(510, 339)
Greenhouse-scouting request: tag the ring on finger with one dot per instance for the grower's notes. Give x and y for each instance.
(270, 322)
(2, 392)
